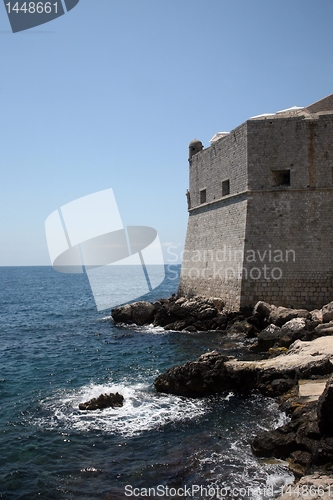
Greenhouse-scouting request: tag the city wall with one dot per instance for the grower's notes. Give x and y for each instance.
(269, 236)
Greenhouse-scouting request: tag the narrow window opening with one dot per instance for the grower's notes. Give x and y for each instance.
(280, 178)
(203, 196)
(225, 187)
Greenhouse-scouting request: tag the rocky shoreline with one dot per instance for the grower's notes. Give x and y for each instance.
(298, 371)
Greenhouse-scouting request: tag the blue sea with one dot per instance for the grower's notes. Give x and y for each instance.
(57, 350)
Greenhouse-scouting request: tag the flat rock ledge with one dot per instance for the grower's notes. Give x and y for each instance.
(215, 373)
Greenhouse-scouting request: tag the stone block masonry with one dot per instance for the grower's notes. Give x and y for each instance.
(260, 212)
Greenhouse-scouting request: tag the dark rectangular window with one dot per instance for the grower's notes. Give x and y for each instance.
(203, 196)
(280, 178)
(225, 187)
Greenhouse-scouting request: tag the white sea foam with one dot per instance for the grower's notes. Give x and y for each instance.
(143, 410)
(106, 318)
(151, 329)
(237, 469)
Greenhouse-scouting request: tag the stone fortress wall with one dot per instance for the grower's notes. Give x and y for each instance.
(261, 212)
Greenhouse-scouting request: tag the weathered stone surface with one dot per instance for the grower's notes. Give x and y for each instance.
(262, 309)
(122, 314)
(275, 443)
(293, 330)
(325, 409)
(269, 337)
(299, 462)
(242, 327)
(316, 315)
(217, 302)
(278, 386)
(327, 312)
(174, 313)
(281, 315)
(205, 376)
(277, 351)
(140, 313)
(103, 401)
(324, 329)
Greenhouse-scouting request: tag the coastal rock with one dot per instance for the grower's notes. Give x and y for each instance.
(327, 312)
(293, 330)
(103, 401)
(205, 376)
(174, 313)
(268, 337)
(306, 441)
(281, 315)
(140, 313)
(215, 373)
(276, 443)
(316, 315)
(262, 309)
(324, 329)
(217, 303)
(241, 327)
(325, 409)
(197, 307)
(122, 314)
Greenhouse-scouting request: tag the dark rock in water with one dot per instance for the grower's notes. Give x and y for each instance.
(276, 443)
(198, 378)
(304, 440)
(174, 313)
(103, 401)
(325, 409)
(243, 327)
(140, 313)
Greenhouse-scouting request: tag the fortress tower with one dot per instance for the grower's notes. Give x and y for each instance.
(261, 211)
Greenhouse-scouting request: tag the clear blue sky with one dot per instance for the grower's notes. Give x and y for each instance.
(110, 95)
